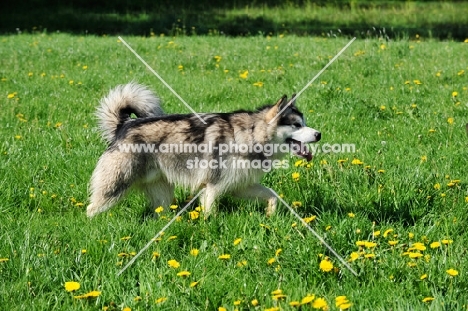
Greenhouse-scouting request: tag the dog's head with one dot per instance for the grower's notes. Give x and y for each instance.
(291, 127)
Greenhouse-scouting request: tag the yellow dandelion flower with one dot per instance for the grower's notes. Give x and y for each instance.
(428, 299)
(309, 219)
(351, 215)
(173, 263)
(423, 158)
(194, 215)
(437, 186)
(271, 261)
(393, 243)
(371, 255)
(294, 303)
(224, 256)
(417, 82)
(10, 96)
(72, 286)
(244, 74)
(193, 284)
(447, 242)
(342, 302)
(435, 244)
(183, 273)
(137, 298)
(307, 299)
(382, 107)
(92, 294)
(454, 94)
(180, 67)
(423, 277)
(172, 237)
(217, 58)
(159, 209)
(297, 204)
(326, 265)
(353, 256)
(161, 300)
(387, 232)
(241, 264)
(346, 306)
(4, 259)
(410, 235)
(320, 303)
(360, 243)
(418, 246)
(194, 252)
(452, 272)
(369, 244)
(357, 162)
(254, 302)
(277, 292)
(432, 130)
(278, 297)
(450, 120)
(414, 255)
(295, 176)
(85, 67)
(127, 309)
(376, 233)
(381, 171)
(259, 84)
(237, 302)
(155, 255)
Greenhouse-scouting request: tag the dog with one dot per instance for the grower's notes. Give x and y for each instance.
(241, 142)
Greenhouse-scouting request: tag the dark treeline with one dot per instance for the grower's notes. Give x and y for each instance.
(177, 17)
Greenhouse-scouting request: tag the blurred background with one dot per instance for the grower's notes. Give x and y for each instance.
(430, 19)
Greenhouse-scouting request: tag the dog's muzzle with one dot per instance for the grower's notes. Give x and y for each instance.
(299, 140)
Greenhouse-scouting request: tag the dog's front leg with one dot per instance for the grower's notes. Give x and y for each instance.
(257, 191)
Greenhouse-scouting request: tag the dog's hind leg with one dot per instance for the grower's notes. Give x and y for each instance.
(257, 191)
(110, 181)
(208, 198)
(160, 193)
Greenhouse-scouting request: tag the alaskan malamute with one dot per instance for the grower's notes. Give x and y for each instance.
(221, 152)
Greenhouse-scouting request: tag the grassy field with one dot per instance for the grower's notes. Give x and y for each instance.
(395, 208)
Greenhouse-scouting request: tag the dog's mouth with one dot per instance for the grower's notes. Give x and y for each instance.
(300, 149)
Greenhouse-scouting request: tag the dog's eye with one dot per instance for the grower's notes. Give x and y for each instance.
(297, 124)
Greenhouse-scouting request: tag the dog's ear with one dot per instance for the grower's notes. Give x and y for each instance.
(293, 98)
(284, 102)
(271, 114)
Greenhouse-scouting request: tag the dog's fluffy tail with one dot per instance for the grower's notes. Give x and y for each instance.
(123, 101)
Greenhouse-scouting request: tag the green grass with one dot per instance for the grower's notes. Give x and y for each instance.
(393, 100)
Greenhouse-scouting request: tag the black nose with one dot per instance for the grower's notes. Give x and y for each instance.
(318, 136)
